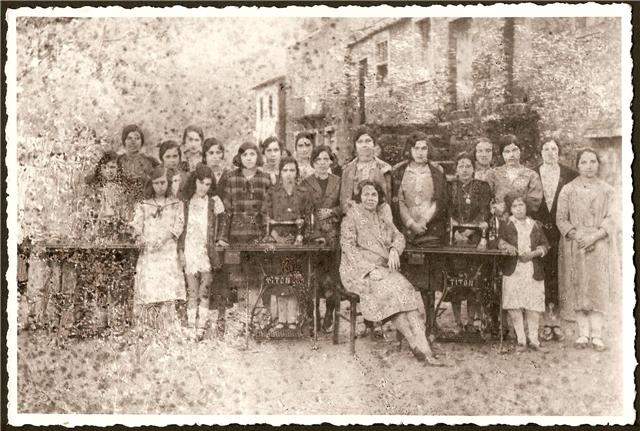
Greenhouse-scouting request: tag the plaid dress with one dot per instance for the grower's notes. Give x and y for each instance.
(242, 220)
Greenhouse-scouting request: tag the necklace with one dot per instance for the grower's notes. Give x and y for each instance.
(464, 209)
(159, 208)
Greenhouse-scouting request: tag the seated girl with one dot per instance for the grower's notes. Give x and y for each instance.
(287, 202)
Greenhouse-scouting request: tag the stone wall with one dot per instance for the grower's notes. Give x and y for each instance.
(569, 70)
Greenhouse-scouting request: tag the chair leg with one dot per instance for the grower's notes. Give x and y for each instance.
(336, 318)
(352, 334)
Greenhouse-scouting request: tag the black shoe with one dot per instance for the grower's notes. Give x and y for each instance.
(420, 356)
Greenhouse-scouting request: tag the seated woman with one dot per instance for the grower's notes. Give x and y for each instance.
(286, 202)
(371, 249)
(324, 191)
(469, 201)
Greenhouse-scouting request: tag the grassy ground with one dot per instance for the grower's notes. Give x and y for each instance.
(170, 375)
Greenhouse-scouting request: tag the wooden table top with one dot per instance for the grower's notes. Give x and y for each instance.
(280, 248)
(470, 251)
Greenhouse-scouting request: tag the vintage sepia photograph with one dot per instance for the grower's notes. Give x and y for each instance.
(350, 215)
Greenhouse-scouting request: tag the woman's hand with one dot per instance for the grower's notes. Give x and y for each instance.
(417, 228)
(218, 206)
(222, 243)
(460, 237)
(324, 213)
(375, 275)
(526, 256)
(483, 225)
(511, 250)
(588, 241)
(571, 235)
(394, 259)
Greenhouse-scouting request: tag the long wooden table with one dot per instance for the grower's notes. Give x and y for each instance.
(308, 251)
(450, 251)
(77, 255)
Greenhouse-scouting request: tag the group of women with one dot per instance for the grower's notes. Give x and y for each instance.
(555, 223)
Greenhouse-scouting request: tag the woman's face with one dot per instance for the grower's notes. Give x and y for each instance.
(202, 186)
(303, 148)
(160, 186)
(272, 154)
(511, 155)
(214, 156)
(588, 165)
(364, 148)
(519, 209)
(484, 153)
(464, 170)
(133, 142)
(420, 152)
(369, 197)
(193, 148)
(109, 170)
(322, 163)
(288, 173)
(550, 152)
(171, 158)
(249, 158)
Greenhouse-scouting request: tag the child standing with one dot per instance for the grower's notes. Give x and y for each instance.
(523, 274)
(196, 244)
(286, 202)
(158, 223)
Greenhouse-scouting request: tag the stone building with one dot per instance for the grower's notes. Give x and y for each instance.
(458, 78)
(270, 109)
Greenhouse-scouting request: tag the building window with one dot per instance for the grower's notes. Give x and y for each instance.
(270, 106)
(382, 57)
(261, 109)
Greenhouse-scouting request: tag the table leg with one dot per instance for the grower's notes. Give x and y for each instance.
(67, 314)
(315, 302)
(494, 273)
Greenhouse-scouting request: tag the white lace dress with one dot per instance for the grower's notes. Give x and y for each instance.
(520, 290)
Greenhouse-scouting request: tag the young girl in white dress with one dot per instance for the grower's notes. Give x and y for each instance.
(196, 244)
(159, 281)
(523, 274)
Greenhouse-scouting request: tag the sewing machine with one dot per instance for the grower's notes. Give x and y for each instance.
(454, 227)
(299, 225)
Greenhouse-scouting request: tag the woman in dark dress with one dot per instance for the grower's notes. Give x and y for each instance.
(323, 189)
(134, 164)
(469, 201)
(553, 176)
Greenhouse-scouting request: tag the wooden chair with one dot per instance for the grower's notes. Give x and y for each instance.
(353, 299)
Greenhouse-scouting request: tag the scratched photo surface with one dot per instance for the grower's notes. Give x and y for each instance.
(173, 260)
